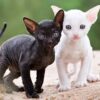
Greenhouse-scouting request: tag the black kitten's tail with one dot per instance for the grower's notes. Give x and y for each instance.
(3, 29)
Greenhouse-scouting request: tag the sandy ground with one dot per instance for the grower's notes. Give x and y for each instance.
(91, 92)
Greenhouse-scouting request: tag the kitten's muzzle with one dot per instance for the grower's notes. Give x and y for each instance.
(50, 44)
(76, 37)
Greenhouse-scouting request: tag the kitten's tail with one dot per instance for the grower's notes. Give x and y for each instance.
(3, 29)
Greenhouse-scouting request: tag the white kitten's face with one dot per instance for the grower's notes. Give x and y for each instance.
(76, 24)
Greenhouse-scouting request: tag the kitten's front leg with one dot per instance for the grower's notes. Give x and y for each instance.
(84, 70)
(64, 82)
(39, 80)
(29, 88)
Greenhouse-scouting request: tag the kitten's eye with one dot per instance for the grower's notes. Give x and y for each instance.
(68, 27)
(41, 37)
(56, 34)
(42, 31)
(53, 29)
(82, 26)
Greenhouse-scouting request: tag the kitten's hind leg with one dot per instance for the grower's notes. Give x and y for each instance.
(8, 81)
(3, 68)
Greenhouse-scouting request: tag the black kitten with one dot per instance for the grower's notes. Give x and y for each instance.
(25, 52)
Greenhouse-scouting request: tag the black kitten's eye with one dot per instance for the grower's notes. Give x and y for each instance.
(41, 37)
(68, 27)
(42, 31)
(56, 34)
(82, 26)
(52, 29)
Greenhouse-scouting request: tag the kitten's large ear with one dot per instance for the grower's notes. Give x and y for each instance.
(92, 14)
(30, 25)
(55, 9)
(59, 18)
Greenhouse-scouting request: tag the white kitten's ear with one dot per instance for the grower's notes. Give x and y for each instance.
(92, 14)
(55, 9)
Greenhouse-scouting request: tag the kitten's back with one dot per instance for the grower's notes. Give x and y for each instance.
(19, 39)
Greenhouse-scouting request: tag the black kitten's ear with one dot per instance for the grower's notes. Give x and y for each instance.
(59, 18)
(30, 25)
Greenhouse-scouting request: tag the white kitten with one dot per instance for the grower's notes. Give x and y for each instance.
(75, 46)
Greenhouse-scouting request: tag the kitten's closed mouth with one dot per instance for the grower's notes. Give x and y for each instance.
(75, 37)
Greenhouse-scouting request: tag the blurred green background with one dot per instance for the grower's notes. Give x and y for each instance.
(13, 11)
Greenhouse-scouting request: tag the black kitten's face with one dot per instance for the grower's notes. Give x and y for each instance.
(48, 34)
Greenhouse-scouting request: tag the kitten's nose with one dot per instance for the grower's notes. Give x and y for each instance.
(76, 37)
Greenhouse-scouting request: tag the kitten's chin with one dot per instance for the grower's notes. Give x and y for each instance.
(50, 46)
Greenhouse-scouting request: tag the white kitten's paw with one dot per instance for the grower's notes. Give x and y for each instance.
(93, 78)
(57, 86)
(81, 84)
(64, 88)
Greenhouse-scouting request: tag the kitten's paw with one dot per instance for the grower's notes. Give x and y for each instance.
(39, 90)
(81, 84)
(1, 82)
(57, 86)
(63, 88)
(33, 95)
(93, 78)
(21, 89)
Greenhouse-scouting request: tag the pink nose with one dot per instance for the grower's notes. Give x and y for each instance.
(76, 37)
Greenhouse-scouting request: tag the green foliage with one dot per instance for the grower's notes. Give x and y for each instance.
(13, 11)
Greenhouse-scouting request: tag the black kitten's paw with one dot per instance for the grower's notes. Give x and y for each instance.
(40, 90)
(1, 82)
(21, 89)
(34, 95)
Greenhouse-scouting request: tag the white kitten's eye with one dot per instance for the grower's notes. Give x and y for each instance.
(68, 27)
(82, 26)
